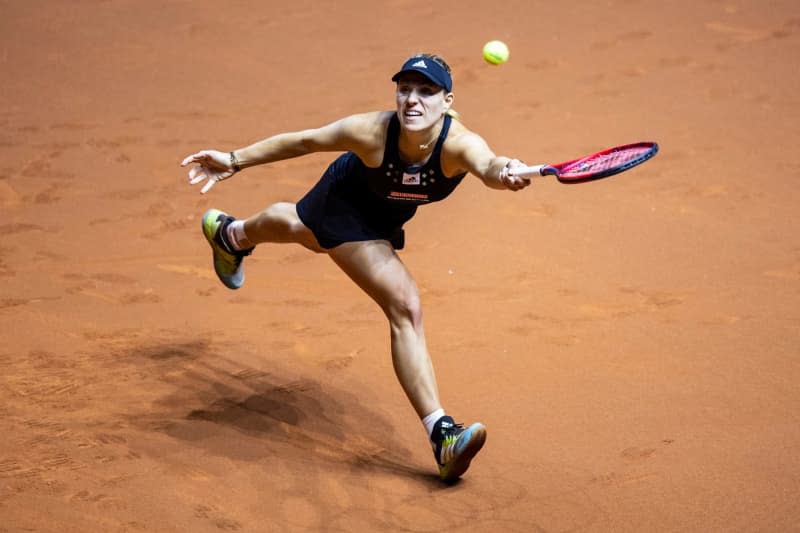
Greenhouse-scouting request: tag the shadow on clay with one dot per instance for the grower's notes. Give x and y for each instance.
(269, 415)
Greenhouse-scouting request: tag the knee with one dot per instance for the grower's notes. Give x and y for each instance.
(406, 308)
(262, 221)
(276, 219)
(280, 213)
(285, 214)
(280, 223)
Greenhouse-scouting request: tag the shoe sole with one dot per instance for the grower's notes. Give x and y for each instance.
(460, 464)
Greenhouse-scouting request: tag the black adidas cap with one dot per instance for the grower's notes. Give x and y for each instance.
(428, 68)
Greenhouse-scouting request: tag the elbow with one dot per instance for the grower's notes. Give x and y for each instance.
(493, 183)
(305, 143)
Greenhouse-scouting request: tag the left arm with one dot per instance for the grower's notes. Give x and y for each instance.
(472, 153)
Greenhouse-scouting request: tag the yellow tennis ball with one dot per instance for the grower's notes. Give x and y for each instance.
(495, 52)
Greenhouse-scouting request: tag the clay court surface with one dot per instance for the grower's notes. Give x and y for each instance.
(631, 344)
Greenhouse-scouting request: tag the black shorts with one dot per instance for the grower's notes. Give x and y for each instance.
(341, 208)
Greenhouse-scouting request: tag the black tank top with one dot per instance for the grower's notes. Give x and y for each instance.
(417, 185)
(354, 202)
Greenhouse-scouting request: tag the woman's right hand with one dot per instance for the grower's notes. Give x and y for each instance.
(211, 165)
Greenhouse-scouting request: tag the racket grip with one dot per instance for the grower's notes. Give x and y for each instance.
(537, 170)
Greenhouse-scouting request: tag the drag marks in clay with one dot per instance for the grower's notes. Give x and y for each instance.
(633, 467)
(54, 413)
(623, 38)
(217, 517)
(739, 35)
(107, 287)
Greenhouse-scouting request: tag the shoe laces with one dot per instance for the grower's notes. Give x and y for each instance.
(454, 429)
(449, 429)
(449, 436)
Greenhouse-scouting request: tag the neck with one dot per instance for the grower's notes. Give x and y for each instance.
(421, 142)
(424, 147)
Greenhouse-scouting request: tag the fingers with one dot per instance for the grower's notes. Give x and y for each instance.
(194, 158)
(196, 175)
(509, 177)
(204, 158)
(199, 173)
(512, 174)
(202, 171)
(208, 186)
(516, 183)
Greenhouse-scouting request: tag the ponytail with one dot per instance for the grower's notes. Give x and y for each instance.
(452, 113)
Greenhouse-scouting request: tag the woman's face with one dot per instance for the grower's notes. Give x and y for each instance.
(420, 102)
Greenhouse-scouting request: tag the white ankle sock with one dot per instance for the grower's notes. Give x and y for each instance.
(236, 236)
(430, 420)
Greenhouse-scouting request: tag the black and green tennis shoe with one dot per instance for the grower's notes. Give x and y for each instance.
(227, 261)
(454, 446)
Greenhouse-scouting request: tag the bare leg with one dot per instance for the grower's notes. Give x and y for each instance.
(377, 269)
(279, 223)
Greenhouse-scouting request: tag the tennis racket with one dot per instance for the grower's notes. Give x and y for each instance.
(596, 166)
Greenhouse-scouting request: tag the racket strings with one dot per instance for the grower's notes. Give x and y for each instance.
(602, 162)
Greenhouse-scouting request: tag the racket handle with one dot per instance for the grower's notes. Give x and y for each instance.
(537, 170)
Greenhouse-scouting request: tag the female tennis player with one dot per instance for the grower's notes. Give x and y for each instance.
(393, 162)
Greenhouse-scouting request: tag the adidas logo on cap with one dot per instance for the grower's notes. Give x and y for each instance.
(420, 63)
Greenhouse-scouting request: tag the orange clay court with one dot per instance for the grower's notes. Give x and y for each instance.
(630, 344)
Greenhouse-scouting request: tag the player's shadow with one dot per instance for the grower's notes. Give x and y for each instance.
(268, 415)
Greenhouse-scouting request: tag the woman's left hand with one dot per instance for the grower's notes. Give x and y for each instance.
(511, 180)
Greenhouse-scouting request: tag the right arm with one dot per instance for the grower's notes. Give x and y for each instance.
(356, 133)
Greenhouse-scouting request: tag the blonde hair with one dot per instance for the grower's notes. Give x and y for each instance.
(434, 57)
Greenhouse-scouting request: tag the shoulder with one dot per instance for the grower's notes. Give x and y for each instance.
(366, 126)
(363, 134)
(460, 147)
(357, 133)
(460, 137)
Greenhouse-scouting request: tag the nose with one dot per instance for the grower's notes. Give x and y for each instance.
(413, 95)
